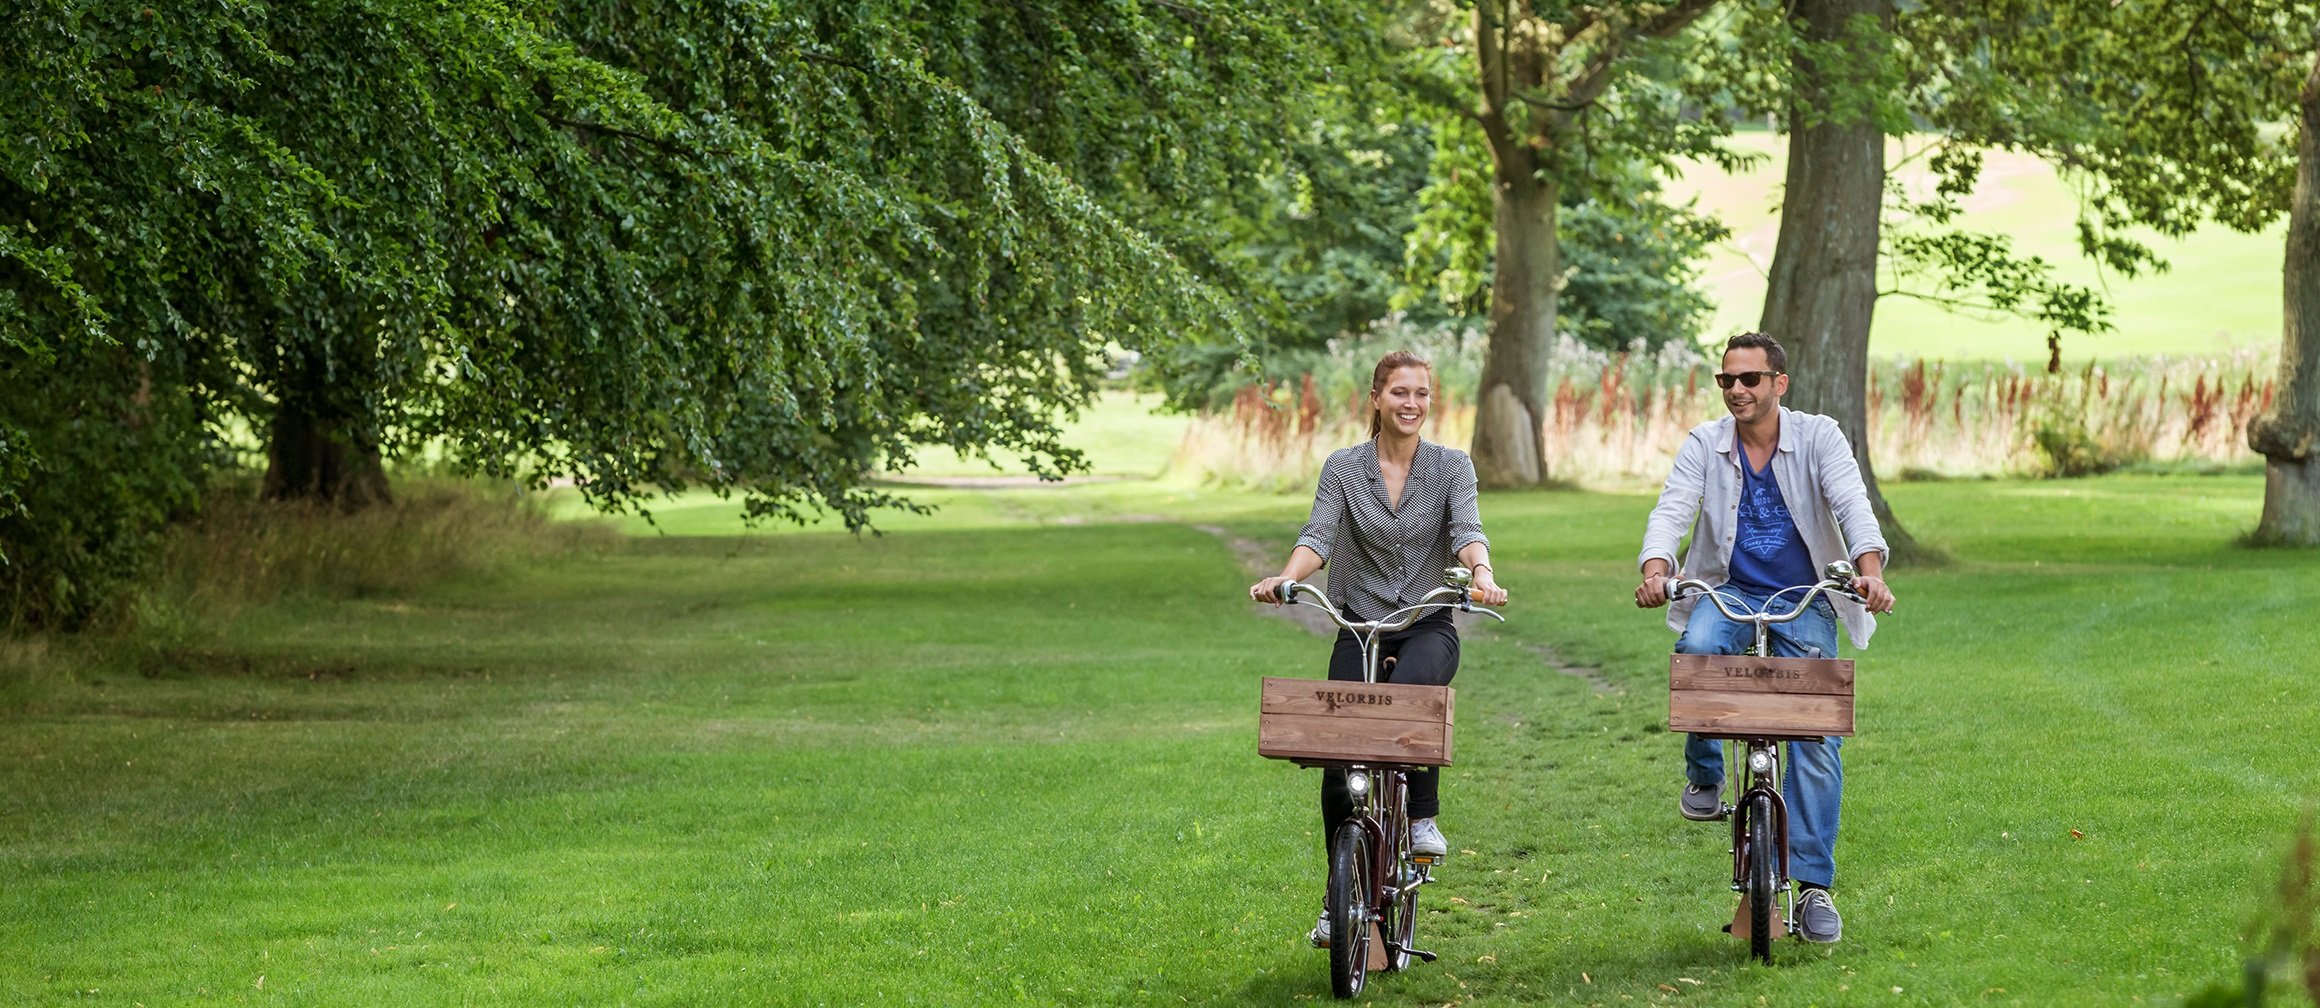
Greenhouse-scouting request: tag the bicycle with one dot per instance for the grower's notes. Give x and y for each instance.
(1744, 719)
(1372, 892)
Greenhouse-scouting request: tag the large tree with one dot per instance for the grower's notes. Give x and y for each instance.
(762, 250)
(1543, 70)
(1858, 73)
(2172, 115)
(1631, 258)
(1822, 289)
(2288, 436)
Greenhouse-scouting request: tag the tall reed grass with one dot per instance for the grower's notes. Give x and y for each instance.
(1991, 419)
(242, 550)
(1615, 418)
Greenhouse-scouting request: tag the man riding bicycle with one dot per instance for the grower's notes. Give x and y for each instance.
(1771, 496)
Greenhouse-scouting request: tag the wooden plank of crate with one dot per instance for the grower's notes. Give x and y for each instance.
(1325, 721)
(1738, 673)
(1353, 740)
(1383, 701)
(1745, 713)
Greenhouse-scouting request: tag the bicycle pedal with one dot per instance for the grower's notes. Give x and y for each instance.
(1428, 860)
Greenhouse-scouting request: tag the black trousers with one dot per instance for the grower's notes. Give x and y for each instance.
(1426, 654)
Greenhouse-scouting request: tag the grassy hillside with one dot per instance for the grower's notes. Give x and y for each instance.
(2222, 295)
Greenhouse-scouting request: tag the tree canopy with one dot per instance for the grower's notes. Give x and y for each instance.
(768, 249)
(758, 248)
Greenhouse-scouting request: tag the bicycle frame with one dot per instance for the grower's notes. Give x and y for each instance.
(1760, 775)
(1760, 757)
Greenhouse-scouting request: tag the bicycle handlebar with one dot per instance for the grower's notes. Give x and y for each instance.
(1439, 598)
(1692, 586)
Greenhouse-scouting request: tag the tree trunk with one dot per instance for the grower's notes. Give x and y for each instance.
(319, 450)
(1823, 286)
(1523, 53)
(1510, 414)
(2288, 434)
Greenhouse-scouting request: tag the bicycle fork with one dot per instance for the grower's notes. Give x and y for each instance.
(1763, 774)
(1740, 834)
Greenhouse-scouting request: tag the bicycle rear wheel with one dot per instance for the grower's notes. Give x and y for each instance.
(1348, 904)
(1763, 855)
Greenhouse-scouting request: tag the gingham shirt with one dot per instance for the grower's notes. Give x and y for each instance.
(1380, 559)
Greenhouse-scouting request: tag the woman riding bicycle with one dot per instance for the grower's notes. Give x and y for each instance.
(1391, 513)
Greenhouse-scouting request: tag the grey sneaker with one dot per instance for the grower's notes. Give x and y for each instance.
(1319, 936)
(1816, 916)
(1426, 838)
(1702, 803)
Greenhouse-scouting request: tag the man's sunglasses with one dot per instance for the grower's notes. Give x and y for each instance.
(1748, 378)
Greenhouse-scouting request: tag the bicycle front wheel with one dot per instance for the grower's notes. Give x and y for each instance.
(1349, 896)
(1763, 856)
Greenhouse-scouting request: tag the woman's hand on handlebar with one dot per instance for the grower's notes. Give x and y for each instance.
(1269, 589)
(1485, 588)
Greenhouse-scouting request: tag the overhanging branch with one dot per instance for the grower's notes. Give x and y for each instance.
(665, 146)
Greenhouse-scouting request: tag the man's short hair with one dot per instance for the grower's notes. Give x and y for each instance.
(1773, 354)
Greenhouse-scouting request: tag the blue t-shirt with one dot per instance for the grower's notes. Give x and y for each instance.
(1769, 554)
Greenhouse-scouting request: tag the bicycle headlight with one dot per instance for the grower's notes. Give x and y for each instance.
(1357, 784)
(1761, 761)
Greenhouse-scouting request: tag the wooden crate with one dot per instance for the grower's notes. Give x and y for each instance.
(1322, 721)
(1743, 696)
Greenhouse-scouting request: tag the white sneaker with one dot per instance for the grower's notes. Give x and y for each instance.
(1320, 933)
(1426, 838)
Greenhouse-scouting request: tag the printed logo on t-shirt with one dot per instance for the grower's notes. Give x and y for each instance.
(1764, 521)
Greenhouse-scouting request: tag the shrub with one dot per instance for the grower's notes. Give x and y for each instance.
(2285, 935)
(2067, 448)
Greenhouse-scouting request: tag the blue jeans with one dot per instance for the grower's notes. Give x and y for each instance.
(1814, 786)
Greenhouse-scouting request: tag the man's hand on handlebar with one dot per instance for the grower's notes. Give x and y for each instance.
(1653, 592)
(1874, 594)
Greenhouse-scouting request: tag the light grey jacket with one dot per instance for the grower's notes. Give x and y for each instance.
(1819, 480)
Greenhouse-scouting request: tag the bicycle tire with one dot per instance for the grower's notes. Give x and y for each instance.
(1762, 857)
(1348, 903)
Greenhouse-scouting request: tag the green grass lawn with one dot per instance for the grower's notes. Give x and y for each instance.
(2221, 295)
(1006, 754)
